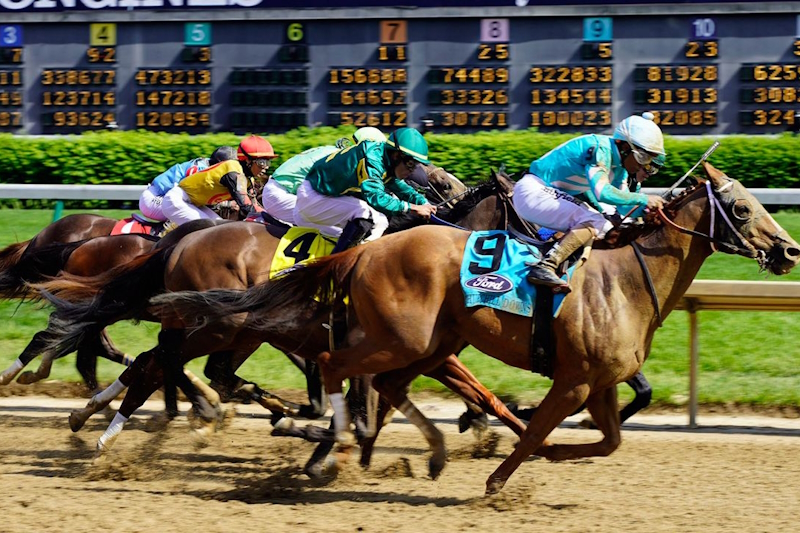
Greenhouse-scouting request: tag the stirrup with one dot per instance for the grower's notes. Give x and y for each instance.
(539, 275)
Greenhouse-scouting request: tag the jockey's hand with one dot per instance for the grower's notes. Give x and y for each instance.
(654, 202)
(424, 210)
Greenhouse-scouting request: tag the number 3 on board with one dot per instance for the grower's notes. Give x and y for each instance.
(102, 34)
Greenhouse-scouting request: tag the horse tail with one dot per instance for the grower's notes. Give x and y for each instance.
(276, 305)
(35, 263)
(9, 258)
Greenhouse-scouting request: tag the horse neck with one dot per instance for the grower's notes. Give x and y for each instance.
(488, 214)
(673, 259)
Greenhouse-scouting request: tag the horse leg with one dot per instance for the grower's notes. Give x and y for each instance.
(456, 376)
(140, 390)
(34, 348)
(644, 393)
(560, 401)
(99, 401)
(317, 400)
(603, 408)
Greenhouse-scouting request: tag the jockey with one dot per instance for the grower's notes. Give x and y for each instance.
(347, 194)
(224, 181)
(596, 163)
(152, 197)
(280, 192)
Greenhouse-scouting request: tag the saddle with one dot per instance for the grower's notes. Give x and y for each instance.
(138, 224)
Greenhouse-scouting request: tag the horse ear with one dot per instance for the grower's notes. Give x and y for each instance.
(717, 177)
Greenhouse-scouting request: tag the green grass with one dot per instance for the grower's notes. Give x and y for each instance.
(744, 357)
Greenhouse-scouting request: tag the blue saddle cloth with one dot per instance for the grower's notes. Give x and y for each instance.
(494, 273)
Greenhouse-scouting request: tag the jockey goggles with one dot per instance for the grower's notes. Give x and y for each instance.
(651, 169)
(642, 157)
(263, 163)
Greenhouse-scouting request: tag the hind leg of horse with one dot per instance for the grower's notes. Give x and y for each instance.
(456, 376)
(603, 408)
(33, 349)
(317, 400)
(98, 402)
(562, 399)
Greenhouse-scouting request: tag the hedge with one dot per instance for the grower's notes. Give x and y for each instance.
(135, 157)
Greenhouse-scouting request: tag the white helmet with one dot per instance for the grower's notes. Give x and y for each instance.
(641, 132)
(369, 134)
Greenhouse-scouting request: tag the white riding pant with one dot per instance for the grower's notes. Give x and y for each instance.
(329, 214)
(150, 204)
(554, 209)
(179, 209)
(278, 202)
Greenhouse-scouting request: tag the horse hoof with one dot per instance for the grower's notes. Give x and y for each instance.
(493, 486)
(77, 419)
(28, 377)
(436, 465)
(283, 425)
(202, 436)
(322, 469)
(346, 439)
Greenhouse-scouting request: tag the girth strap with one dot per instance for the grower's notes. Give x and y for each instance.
(650, 287)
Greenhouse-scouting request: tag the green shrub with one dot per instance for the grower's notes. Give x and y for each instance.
(136, 157)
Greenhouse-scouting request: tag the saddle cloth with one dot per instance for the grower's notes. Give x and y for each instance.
(494, 273)
(299, 245)
(137, 224)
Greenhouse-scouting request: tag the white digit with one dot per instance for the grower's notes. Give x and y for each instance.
(704, 27)
(198, 35)
(10, 36)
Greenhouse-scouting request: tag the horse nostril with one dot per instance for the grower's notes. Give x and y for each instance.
(792, 253)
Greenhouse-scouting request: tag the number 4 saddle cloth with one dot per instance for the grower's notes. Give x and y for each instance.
(299, 245)
(494, 273)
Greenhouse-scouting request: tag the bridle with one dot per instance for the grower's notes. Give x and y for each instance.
(715, 205)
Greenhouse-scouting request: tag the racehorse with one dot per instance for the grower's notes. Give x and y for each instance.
(406, 297)
(202, 261)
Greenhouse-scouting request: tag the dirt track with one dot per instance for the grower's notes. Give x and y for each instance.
(734, 474)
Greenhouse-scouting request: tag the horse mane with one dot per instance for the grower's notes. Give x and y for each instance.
(625, 235)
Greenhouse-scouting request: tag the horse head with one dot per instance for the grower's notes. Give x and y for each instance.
(504, 183)
(741, 225)
(443, 186)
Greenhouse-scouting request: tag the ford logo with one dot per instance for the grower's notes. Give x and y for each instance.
(490, 283)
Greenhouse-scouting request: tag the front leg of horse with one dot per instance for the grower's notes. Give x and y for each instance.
(562, 400)
(28, 377)
(341, 416)
(31, 351)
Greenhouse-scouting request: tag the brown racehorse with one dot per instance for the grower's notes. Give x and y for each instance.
(406, 296)
(202, 261)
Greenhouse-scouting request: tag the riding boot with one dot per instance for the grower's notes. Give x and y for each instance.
(354, 232)
(544, 272)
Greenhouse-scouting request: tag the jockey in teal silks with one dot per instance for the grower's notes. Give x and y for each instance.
(347, 194)
(597, 165)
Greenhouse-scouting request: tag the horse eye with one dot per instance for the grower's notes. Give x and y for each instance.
(741, 211)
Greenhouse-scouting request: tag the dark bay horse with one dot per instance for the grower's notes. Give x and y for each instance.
(406, 297)
(203, 261)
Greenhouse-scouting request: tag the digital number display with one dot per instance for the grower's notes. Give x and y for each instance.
(470, 119)
(256, 76)
(596, 50)
(680, 96)
(101, 55)
(701, 49)
(570, 119)
(78, 77)
(488, 97)
(173, 98)
(10, 98)
(172, 119)
(268, 120)
(10, 56)
(493, 52)
(467, 75)
(276, 90)
(172, 77)
(769, 96)
(79, 98)
(196, 54)
(392, 53)
(10, 77)
(585, 90)
(10, 119)
(576, 74)
(371, 97)
(394, 119)
(363, 76)
(271, 98)
(79, 119)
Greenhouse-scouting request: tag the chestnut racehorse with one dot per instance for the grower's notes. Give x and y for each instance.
(406, 296)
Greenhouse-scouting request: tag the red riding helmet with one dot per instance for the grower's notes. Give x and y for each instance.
(255, 147)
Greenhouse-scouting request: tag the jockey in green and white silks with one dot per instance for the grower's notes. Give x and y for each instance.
(597, 165)
(349, 193)
(280, 192)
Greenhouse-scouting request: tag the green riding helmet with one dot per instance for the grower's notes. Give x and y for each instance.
(410, 142)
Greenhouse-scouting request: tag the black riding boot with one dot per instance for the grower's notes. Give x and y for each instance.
(354, 232)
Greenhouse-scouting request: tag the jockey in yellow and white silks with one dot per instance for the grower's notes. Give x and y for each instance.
(593, 164)
(224, 181)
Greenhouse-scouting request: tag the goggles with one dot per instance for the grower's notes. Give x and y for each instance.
(263, 163)
(642, 157)
(651, 169)
(410, 163)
